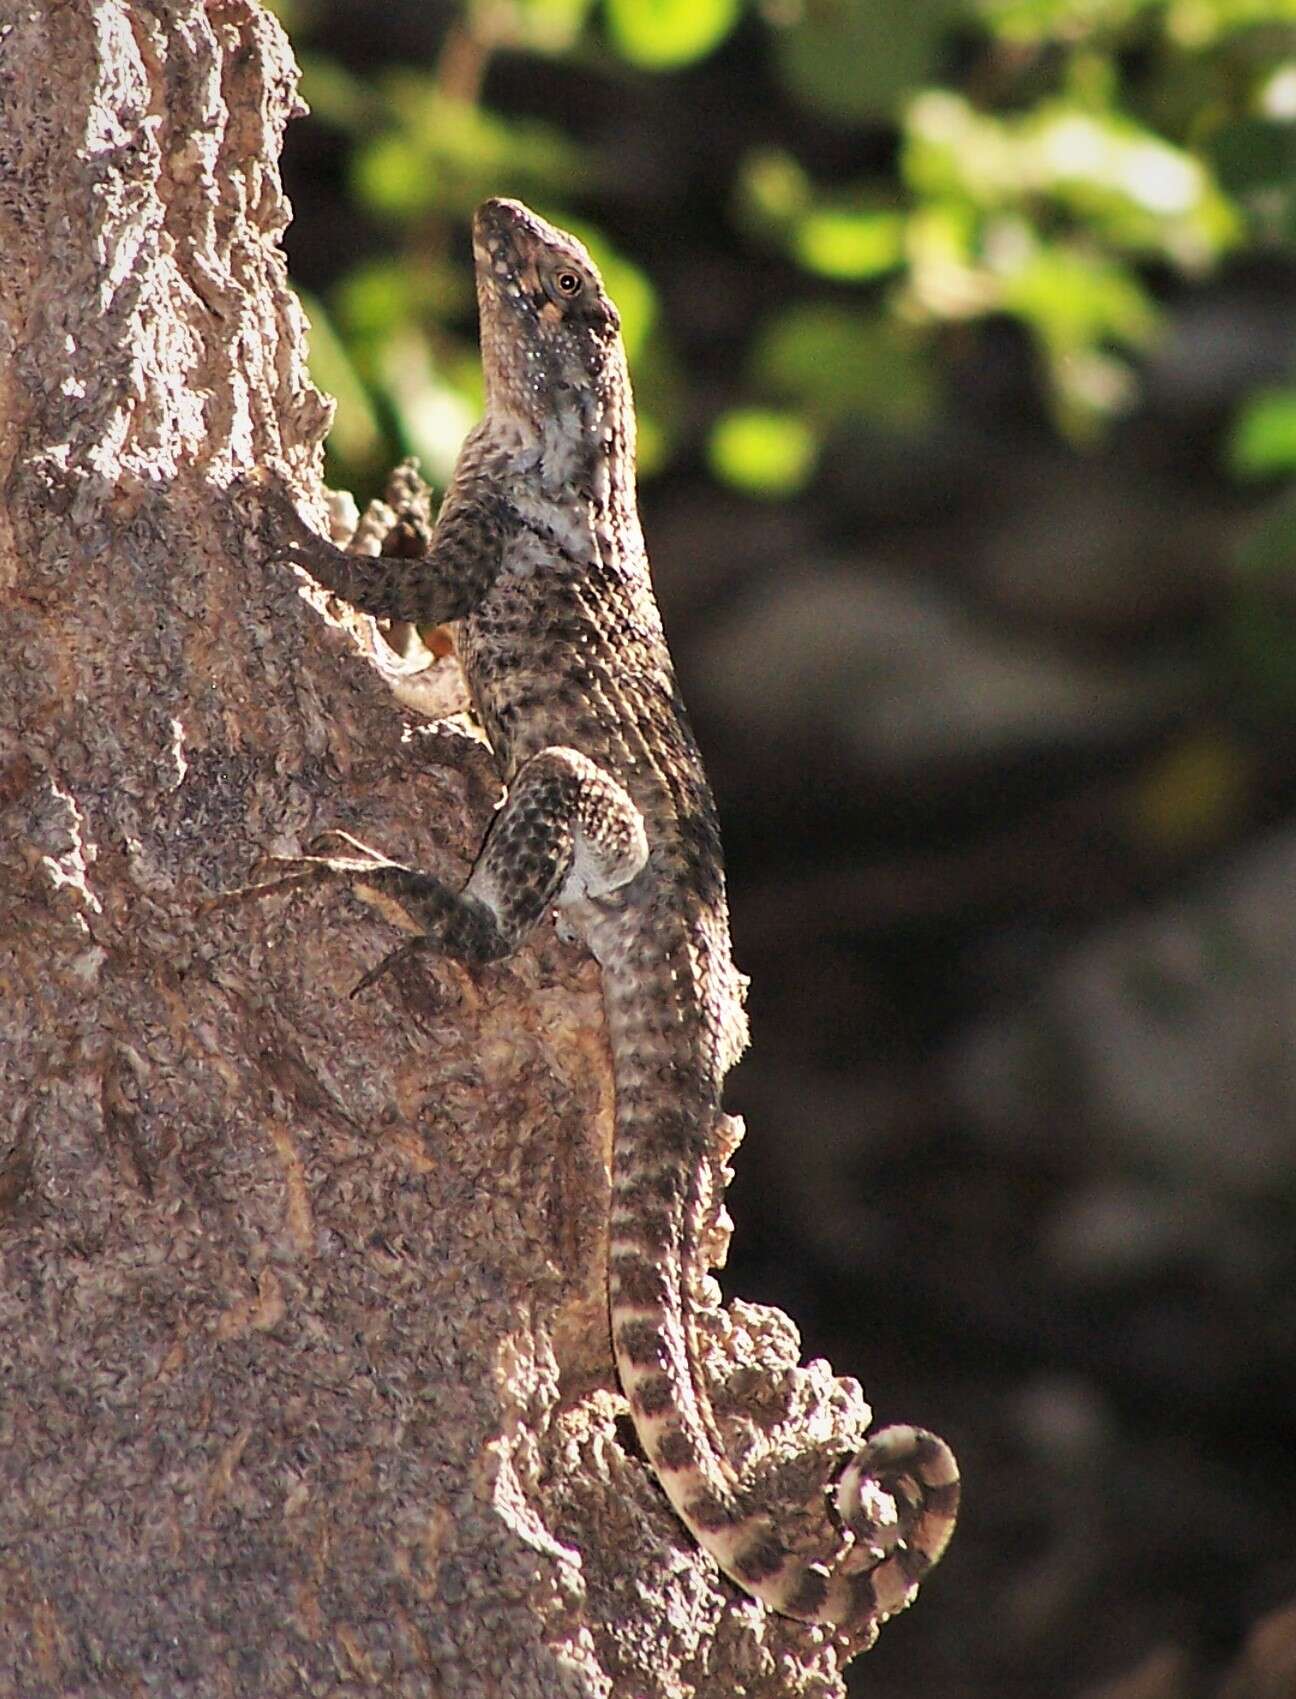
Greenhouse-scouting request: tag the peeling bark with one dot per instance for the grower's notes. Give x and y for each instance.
(304, 1378)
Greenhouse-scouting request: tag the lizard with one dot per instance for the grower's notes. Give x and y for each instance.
(538, 560)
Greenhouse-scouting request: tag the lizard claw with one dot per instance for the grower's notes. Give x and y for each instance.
(317, 849)
(292, 872)
(305, 871)
(300, 546)
(403, 952)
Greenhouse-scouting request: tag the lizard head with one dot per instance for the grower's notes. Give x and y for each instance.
(550, 337)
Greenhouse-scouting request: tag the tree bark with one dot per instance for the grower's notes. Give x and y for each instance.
(305, 1384)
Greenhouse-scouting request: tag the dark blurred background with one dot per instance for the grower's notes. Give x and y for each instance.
(963, 338)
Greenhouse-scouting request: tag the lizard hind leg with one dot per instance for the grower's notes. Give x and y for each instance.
(566, 831)
(437, 917)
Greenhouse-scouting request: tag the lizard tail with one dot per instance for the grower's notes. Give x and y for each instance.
(897, 1497)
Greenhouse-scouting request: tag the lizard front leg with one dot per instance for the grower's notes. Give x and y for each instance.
(566, 831)
(473, 527)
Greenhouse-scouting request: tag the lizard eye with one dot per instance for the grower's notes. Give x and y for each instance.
(568, 284)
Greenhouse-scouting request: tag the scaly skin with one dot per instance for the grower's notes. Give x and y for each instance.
(539, 557)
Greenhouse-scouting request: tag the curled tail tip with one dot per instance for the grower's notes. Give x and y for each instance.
(899, 1497)
(900, 1494)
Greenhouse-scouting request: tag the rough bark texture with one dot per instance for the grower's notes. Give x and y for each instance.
(304, 1376)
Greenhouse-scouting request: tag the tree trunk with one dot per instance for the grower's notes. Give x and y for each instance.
(305, 1384)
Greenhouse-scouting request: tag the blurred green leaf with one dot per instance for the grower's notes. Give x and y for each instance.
(659, 34)
(1192, 794)
(432, 416)
(385, 309)
(446, 154)
(1113, 177)
(843, 238)
(376, 297)
(947, 279)
(355, 438)
(839, 243)
(1076, 301)
(390, 177)
(762, 452)
(536, 26)
(1196, 23)
(772, 189)
(854, 60)
(653, 446)
(836, 362)
(1072, 20)
(1075, 298)
(333, 94)
(1262, 443)
(661, 397)
(1261, 629)
(294, 15)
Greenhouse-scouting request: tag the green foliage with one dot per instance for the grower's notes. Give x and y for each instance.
(855, 62)
(849, 244)
(1125, 187)
(532, 26)
(1038, 21)
(1050, 161)
(834, 236)
(838, 364)
(1261, 628)
(437, 151)
(659, 34)
(1190, 795)
(762, 452)
(1046, 211)
(356, 438)
(1263, 444)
